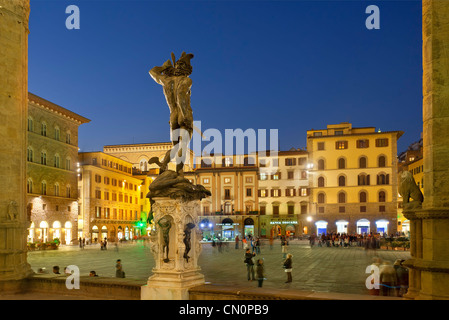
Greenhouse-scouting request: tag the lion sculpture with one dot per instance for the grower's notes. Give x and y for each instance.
(409, 190)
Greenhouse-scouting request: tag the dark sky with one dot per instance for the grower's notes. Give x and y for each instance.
(287, 65)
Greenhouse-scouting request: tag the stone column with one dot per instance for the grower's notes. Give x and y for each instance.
(177, 271)
(13, 112)
(430, 243)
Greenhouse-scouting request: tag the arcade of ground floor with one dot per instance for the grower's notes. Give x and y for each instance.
(272, 226)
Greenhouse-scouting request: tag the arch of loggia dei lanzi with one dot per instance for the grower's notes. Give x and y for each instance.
(429, 276)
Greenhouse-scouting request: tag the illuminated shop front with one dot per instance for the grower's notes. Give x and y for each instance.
(278, 227)
(342, 226)
(363, 226)
(382, 226)
(248, 227)
(228, 229)
(95, 233)
(321, 227)
(207, 228)
(104, 232)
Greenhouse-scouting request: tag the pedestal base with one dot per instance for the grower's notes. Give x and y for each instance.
(171, 285)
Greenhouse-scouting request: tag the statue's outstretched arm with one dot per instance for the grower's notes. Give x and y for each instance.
(156, 72)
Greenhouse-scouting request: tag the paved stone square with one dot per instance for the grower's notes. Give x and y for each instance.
(319, 269)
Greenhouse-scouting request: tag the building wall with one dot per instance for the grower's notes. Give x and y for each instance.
(324, 145)
(53, 208)
(13, 112)
(284, 194)
(110, 197)
(243, 205)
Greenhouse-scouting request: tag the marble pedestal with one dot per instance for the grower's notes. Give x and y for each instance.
(173, 277)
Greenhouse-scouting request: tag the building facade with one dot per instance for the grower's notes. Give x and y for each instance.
(284, 193)
(353, 176)
(112, 201)
(233, 207)
(260, 194)
(52, 155)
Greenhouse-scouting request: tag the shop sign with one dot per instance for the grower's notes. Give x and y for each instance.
(284, 222)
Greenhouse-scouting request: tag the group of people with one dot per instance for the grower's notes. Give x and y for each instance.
(343, 240)
(259, 272)
(393, 279)
(119, 273)
(249, 242)
(219, 244)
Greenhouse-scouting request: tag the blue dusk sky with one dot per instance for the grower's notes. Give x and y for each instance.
(287, 65)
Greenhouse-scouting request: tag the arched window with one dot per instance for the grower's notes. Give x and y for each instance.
(321, 198)
(43, 157)
(30, 124)
(57, 133)
(68, 163)
(341, 163)
(341, 181)
(381, 161)
(57, 161)
(321, 182)
(29, 186)
(57, 189)
(143, 165)
(363, 179)
(362, 196)
(44, 187)
(342, 197)
(382, 196)
(362, 162)
(44, 129)
(321, 164)
(383, 178)
(30, 154)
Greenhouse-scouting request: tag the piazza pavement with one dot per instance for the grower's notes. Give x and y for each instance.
(319, 269)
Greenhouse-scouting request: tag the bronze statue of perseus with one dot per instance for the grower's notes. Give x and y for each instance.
(176, 84)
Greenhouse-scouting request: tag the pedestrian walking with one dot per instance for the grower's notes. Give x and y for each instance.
(245, 244)
(258, 245)
(402, 277)
(249, 264)
(288, 267)
(260, 272)
(237, 240)
(387, 279)
(284, 247)
(119, 273)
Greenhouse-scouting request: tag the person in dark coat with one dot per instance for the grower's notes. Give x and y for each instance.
(288, 267)
(119, 273)
(260, 272)
(402, 277)
(250, 264)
